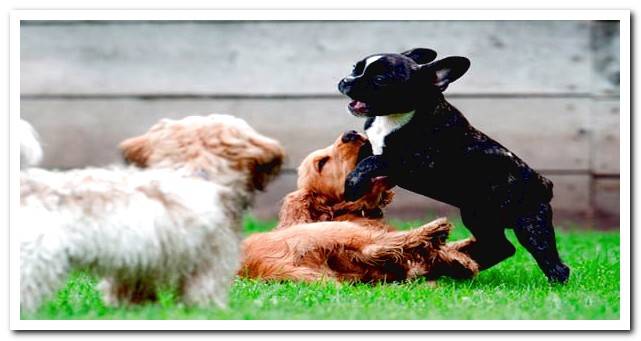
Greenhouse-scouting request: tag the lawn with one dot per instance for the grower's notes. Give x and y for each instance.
(515, 289)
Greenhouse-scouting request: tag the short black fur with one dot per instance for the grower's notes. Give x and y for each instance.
(440, 155)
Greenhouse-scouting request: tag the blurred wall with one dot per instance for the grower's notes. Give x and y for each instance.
(548, 90)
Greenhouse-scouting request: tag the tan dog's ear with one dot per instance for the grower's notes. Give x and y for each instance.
(267, 165)
(303, 206)
(262, 159)
(136, 150)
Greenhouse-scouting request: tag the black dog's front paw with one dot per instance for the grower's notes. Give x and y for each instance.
(359, 181)
(355, 188)
(559, 274)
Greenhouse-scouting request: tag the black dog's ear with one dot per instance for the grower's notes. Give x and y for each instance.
(420, 55)
(446, 70)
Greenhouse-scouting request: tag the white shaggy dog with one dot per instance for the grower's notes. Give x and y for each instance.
(177, 222)
(30, 150)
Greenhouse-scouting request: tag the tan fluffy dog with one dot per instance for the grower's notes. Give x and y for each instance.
(322, 236)
(177, 222)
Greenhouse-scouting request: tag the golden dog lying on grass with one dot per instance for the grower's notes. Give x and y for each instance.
(321, 236)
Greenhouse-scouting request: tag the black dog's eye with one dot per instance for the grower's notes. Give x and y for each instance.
(381, 80)
(321, 163)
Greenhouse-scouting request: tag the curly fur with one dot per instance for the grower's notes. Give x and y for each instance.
(346, 251)
(177, 222)
(321, 236)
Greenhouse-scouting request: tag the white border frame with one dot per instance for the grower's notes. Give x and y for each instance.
(623, 16)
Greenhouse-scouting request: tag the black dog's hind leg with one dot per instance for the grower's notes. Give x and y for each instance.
(536, 233)
(489, 245)
(358, 181)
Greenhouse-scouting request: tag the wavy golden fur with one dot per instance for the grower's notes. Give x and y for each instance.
(319, 197)
(321, 236)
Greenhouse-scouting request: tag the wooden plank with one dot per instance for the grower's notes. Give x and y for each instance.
(571, 194)
(605, 144)
(571, 199)
(302, 126)
(294, 57)
(607, 199)
(546, 133)
(605, 45)
(268, 203)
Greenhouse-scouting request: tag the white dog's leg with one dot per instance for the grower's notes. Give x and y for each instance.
(210, 281)
(131, 291)
(108, 289)
(42, 272)
(206, 287)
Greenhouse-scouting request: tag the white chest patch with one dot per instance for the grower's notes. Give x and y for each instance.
(383, 126)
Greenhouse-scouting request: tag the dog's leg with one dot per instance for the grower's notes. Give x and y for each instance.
(107, 287)
(359, 181)
(429, 240)
(489, 246)
(204, 288)
(44, 267)
(434, 234)
(462, 245)
(306, 274)
(209, 284)
(402, 255)
(280, 270)
(392, 245)
(535, 231)
(452, 263)
(131, 291)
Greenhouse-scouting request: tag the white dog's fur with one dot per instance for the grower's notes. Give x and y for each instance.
(30, 150)
(175, 223)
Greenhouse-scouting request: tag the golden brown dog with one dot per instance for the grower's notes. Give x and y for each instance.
(321, 178)
(321, 236)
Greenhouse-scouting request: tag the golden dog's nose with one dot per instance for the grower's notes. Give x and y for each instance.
(351, 136)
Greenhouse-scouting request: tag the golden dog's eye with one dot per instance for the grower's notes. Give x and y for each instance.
(321, 163)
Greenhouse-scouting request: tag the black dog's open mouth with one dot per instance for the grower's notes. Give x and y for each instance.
(358, 108)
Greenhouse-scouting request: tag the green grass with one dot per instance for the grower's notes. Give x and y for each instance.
(515, 289)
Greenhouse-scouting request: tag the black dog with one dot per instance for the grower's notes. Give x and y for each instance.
(423, 144)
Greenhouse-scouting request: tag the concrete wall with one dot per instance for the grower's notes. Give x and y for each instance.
(549, 90)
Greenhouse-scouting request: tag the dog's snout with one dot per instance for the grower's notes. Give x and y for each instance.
(351, 136)
(345, 85)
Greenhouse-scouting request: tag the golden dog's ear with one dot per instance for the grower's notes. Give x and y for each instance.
(303, 206)
(136, 150)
